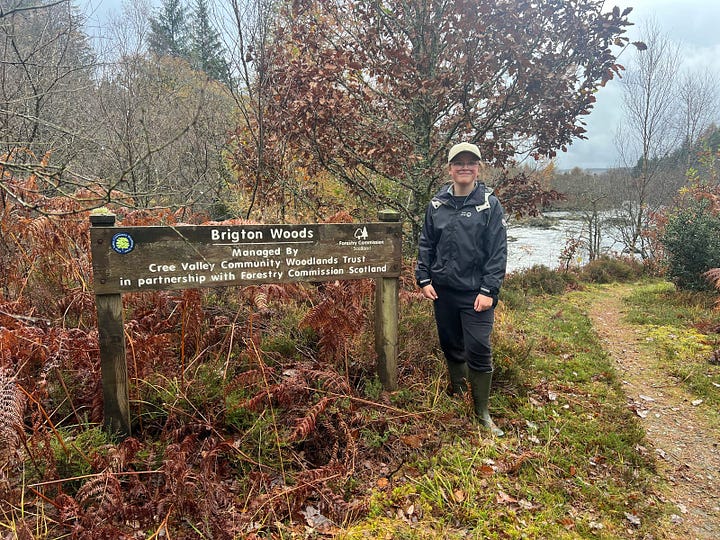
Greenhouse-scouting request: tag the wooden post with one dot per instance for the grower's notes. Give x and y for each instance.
(116, 398)
(386, 320)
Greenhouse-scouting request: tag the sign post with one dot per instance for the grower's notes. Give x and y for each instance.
(386, 319)
(136, 259)
(113, 366)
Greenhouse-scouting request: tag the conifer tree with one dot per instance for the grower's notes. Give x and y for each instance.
(206, 50)
(169, 30)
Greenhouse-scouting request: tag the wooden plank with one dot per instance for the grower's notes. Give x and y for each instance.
(131, 259)
(386, 331)
(116, 398)
(386, 319)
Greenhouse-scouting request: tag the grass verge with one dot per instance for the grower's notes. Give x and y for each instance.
(568, 467)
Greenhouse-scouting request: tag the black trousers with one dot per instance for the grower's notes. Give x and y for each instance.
(463, 332)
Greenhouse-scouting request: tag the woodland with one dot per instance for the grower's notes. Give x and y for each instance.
(257, 412)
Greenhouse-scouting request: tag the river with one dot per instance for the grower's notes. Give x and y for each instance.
(530, 246)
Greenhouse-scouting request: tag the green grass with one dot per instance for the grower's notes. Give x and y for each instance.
(678, 325)
(568, 467)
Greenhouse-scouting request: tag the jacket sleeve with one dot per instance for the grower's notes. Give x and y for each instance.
(426, 251)
(493, 271)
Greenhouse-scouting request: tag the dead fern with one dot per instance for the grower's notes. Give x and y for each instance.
(12, 410)
(713, 276)
(339, 316)
(103, 493)
(307, 424)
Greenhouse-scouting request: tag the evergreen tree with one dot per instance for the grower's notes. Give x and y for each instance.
(169, 30)
(206, 51)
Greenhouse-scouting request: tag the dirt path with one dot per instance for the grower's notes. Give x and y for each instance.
(686, 446)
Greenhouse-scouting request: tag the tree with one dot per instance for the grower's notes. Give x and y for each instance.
(206, 50)
(699, 103)
(590, 195)
(263, 159)
(375, 92)
(691, 236)
(169, 35)
(647, 136)
(161, 125)
(46, 63)
(664, 117)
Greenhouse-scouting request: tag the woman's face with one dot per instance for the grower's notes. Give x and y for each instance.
(464, 169)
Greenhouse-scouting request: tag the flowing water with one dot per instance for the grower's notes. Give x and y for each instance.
(530, 246)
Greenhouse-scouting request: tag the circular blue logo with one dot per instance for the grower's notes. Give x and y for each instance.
(122, 243)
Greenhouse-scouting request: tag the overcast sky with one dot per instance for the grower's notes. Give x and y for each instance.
(692, 24)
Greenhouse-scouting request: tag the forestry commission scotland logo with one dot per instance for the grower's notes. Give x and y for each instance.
(122, 243)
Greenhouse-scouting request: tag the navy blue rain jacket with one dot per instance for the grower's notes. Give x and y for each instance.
(463, 247)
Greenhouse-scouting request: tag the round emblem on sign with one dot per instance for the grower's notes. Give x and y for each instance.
(122, 243)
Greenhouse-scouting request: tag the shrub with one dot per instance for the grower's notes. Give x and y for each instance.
(609, 270)
(535, 281)
(692, 237)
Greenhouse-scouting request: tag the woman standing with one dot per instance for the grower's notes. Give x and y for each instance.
(461, 264)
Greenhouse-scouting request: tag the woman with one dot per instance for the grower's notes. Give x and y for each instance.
(461, 264)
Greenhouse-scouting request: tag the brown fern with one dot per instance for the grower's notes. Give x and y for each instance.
(713, 276)
(305, 425)
(339, 316)
(12, 410)
(104, 493)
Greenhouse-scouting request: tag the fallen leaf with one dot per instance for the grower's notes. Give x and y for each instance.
(646, 398)
(383, 483)
(316, 520)
(459, 495)
(552, 396)
(632, 518)
(504, 498)
(413, 441)
(525, 504)
(486, 470)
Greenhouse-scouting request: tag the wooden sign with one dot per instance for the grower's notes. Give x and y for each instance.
(132, 259)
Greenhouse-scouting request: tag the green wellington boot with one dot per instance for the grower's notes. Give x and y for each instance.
(458, 373)
(480, 386)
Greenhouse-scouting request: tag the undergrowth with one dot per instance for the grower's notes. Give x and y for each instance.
(257, 413)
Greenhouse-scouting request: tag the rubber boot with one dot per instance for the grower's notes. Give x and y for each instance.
(458, 373)
(480, 386)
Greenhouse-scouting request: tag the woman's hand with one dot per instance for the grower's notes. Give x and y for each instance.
(429, 292)
(483, 303)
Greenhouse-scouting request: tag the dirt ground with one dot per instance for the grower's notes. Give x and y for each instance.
(686, 445)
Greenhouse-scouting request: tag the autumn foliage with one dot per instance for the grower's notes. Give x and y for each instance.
(376, 92)
(239, 421)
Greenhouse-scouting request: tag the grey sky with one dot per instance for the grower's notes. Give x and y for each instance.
(692, 24)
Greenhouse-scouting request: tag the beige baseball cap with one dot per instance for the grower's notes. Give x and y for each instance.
(463, 147)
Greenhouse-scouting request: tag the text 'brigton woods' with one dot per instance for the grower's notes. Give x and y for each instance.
(276, 233)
